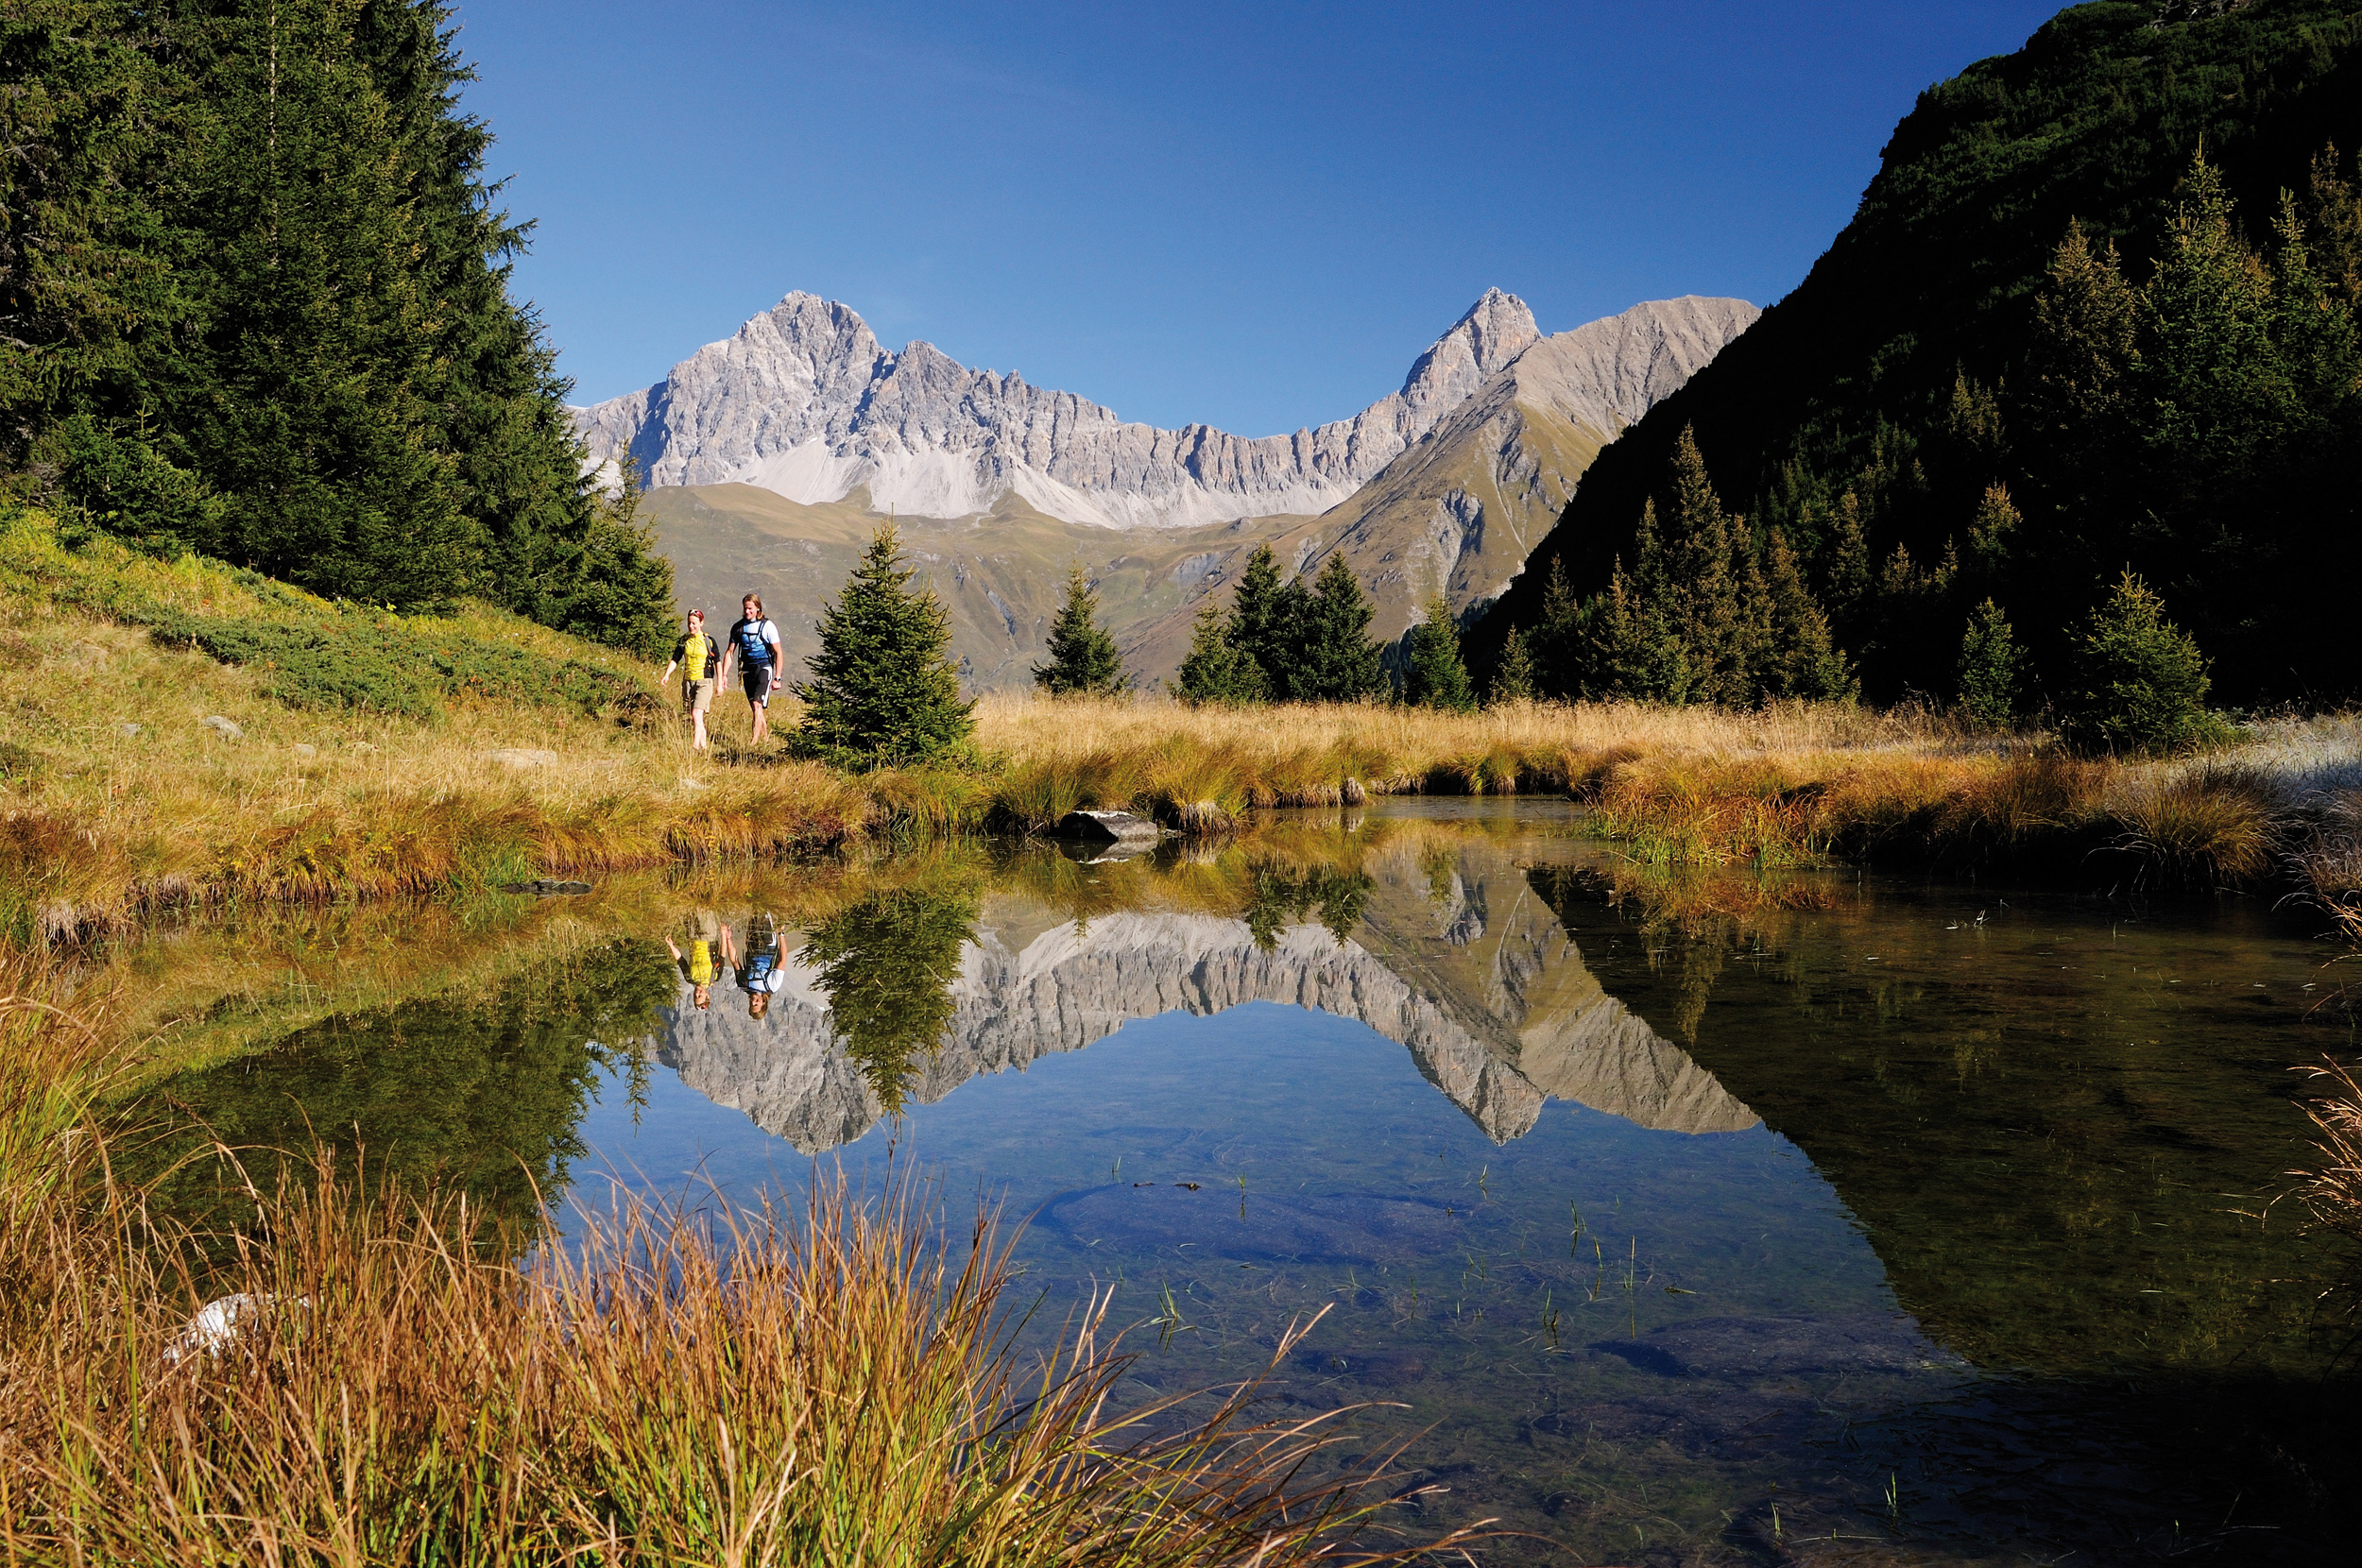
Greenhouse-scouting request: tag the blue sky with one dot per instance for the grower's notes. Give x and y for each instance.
(1254, 216)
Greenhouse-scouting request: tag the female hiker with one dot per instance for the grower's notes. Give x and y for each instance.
(697, 659)
(755, 647)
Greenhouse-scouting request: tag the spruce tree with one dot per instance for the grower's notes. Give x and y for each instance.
(253, 247)
(1437, 676)
(1557, 647)
(1631, 649)
(2139, 682)
(884, 691)
(1513, 678)
(624, 593)
(1991, 531)
(1845, 584)
(1084, 660)
(2085, 318)
(1267, 623)
(1339, 662)
(1635, 649)
(1702, 582)
(1755, 641)
(1216, 670)
(1989, 667)
(1804, 662)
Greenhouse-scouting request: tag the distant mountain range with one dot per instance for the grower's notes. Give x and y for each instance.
(770, 455)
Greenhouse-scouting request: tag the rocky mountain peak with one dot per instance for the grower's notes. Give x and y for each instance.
(806, 402)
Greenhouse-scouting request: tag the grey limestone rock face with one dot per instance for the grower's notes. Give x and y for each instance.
(806, 402)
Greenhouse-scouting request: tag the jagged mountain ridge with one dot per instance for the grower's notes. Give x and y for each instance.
(804, 401)
(1457, 510)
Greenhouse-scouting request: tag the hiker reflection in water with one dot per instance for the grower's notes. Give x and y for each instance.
(760, 973)
(697, 965)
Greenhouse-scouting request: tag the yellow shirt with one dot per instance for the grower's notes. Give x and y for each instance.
(700, 964)
(692, 657)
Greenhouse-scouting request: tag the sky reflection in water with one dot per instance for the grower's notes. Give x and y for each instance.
(1690, 1219)
(1507, 1129)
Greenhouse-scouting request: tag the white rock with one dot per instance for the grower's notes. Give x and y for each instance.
(218, 1323)
(521, 756)
(302, 750)
(227, 728)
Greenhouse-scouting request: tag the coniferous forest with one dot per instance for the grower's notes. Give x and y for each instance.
(254, 302)
(2096, 313)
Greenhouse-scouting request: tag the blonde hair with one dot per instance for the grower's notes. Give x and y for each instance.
(756, 599)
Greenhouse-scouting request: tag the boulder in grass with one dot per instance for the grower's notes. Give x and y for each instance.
(227, 728)
(1109, 828)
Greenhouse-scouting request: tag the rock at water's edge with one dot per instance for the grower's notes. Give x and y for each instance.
(1106, 827)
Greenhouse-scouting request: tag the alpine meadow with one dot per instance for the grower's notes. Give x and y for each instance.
(1716, 936)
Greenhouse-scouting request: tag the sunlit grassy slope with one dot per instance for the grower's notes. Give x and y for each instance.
(529, 754)
(353, 753)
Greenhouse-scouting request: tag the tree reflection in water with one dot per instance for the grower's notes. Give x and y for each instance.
(886, 966)
(1279, 897)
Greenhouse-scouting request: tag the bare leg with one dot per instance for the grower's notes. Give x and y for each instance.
(762, 721)
(698, 718)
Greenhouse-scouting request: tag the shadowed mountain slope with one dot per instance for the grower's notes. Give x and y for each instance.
(1849, 382)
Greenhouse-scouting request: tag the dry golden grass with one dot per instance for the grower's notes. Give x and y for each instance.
(2331, 1187)
(313, 805)
(1202, 767)
(832, 1383)
(101, 827)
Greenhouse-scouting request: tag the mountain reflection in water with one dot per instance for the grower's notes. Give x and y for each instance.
(1985, 1284)
(1453, 956)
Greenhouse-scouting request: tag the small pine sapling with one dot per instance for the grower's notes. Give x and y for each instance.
(1438, 677)
(1988, 668)
(1083, 658)
(1513, 678)
(2140, 681)
(884, 691)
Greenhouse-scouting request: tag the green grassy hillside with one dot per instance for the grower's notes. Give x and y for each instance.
(1905, 371)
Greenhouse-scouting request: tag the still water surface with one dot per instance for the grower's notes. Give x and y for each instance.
(1832, 1219)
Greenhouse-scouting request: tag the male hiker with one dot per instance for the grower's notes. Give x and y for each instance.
(755, 648)
(697, 659)
(760, 972)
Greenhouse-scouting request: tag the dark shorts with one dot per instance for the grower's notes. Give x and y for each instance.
(756, 679)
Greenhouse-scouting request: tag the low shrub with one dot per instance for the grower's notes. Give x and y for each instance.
(381, 664)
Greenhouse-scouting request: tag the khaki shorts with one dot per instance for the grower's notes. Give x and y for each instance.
(697, 696)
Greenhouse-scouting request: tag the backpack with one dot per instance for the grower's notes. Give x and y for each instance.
(753, 646)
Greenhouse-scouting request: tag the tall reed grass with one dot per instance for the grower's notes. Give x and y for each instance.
(832, 1381)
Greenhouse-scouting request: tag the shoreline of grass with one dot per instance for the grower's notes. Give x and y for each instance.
(513, 753)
